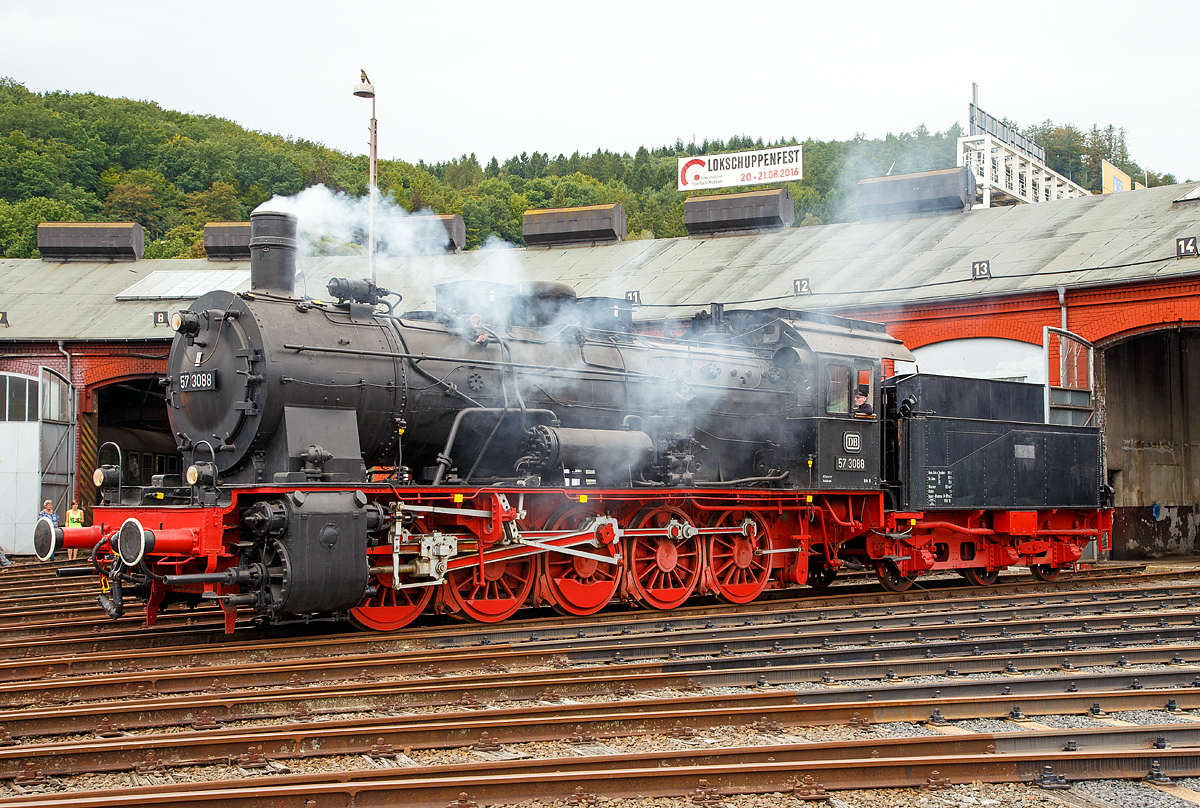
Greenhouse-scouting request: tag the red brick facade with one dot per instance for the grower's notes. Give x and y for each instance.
(93, 365)
(1101, 315)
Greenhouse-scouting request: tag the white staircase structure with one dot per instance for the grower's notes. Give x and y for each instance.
(1009, 168)
(1007, 175)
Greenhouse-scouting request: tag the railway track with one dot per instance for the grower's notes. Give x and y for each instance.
(130, 714)
(804, 770)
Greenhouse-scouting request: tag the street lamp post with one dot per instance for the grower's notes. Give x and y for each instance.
(364, 90)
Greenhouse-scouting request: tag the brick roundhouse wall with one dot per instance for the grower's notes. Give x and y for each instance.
(93, 365)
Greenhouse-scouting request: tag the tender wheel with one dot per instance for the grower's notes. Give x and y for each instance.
(577, 585)
(1045, 572)
(493, 592)
(891, 579)
(739, 570)
(663, 572)
(978, 576)
(819, 575)
(389, 609)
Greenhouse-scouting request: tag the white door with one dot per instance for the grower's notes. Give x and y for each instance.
(20, 455)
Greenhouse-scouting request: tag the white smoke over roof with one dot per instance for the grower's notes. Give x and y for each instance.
(334, 223)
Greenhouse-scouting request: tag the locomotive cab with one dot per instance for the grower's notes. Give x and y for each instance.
(830, 444)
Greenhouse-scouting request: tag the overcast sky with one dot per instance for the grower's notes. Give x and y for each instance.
(497, 78)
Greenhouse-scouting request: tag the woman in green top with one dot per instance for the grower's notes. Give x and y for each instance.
(74, 519)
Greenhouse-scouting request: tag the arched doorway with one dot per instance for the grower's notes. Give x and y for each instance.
(1151, 390)
(131, 413)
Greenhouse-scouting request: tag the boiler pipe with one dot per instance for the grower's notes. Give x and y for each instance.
(444, 459)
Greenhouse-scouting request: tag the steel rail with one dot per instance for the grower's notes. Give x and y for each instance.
(44, 627)
(706, 782)
(298, 699)
(39, 660)
(539, 723)
(977, 654)
(1088, 741)
(703, 651)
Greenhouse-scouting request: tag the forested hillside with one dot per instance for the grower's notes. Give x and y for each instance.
(83, 157)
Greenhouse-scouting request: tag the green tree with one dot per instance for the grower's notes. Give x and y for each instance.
(464, 172)
(19, 222)
(128, 202)
(218, 204)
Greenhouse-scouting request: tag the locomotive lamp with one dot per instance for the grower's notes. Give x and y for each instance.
(201, 474)
(106, 477)
(364, 89)
(186, 323)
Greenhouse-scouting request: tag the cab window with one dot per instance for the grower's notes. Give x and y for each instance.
(865, 386)
(838, 386)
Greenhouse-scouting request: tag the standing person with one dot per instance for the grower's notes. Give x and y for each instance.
(74, 519)
(47, 512)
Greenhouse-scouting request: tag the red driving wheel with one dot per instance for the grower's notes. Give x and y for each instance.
(739, 569)
(389, 608)
(663, 569)
(575, 584)
(490, 593)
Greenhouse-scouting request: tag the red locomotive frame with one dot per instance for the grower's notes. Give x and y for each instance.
(578, 549)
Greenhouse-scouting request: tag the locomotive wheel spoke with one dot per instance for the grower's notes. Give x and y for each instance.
(739, 571)
(663, 573)
(1045, 572)
(494, 595)
(891, 579)
(389, 609)
(981, 577)
(575, 585)
(819, 575)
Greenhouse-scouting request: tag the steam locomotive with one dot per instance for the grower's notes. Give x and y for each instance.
(520, 445)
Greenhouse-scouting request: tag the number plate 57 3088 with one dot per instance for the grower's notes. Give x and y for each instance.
(203, 380)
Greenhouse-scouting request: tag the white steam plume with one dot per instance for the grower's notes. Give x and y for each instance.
(334, 223)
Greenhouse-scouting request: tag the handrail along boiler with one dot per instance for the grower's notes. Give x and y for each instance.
(519, 445)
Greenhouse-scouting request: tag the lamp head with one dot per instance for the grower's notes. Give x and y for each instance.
(364, 89)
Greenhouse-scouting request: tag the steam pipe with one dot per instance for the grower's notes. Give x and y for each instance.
(74, 572)
(230, 577)
(492, 434)
(624, 374)
(774, 478)
(444, 459)
(970, 531)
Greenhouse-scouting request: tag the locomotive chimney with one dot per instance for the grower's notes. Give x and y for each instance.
(273, 253)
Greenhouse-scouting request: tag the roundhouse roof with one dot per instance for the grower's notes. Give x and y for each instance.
(1093, 241)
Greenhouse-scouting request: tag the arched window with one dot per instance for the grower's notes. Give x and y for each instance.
(18, 398)
(56, 397)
